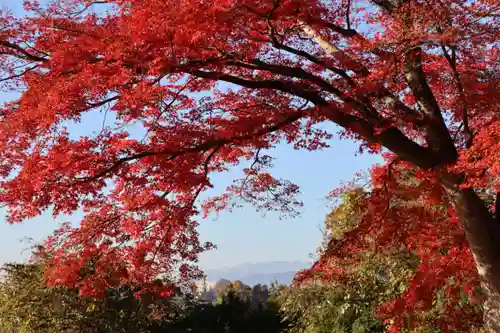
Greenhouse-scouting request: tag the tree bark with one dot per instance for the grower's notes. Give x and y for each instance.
(483, 234)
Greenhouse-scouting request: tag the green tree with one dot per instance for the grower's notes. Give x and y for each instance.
(29, 305)
(348, 304)
(234, 314)
(260, 295)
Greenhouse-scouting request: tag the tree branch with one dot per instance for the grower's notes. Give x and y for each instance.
(313, 59)
(297, 89)
(389, 5)
(18, 75)
(348, 14)
(497, 207)
(334, 51)
(297, 72)
(392, 138)
(437, 136)
(452, 61)
(21, 51)
(215, 143)
(333, 27)
(392, 101)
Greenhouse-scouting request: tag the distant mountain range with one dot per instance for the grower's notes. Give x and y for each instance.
(264, 273)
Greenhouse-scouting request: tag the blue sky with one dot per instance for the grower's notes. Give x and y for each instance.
(243, 235)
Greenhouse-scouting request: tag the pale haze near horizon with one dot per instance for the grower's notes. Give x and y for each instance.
(243, 235)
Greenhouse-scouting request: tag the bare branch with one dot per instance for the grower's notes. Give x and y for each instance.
(90, 4)
(18, 75)
(209, 158)
(167, 107)
(348, 14)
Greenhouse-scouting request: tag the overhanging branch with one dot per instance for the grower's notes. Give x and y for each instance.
(391, 138)
(19, 52)
(209, 144)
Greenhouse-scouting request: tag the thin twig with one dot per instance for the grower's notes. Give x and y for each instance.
(452, 61)
(347, 14)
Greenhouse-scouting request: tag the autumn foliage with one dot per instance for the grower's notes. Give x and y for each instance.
(406, 234)
(212, 84)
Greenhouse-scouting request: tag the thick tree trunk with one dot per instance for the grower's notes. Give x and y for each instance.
(483, 234)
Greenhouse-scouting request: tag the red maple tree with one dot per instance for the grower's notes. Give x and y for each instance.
(418, 78)
(404, 214)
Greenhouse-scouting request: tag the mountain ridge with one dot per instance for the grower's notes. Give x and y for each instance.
(259, 272)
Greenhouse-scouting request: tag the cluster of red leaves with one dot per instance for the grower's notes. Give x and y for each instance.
(410, 209)
(480, 162)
